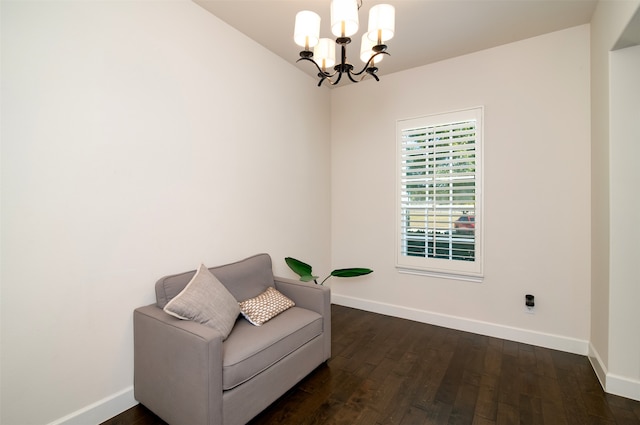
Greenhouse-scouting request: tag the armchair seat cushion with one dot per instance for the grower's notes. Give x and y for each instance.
(251, 349)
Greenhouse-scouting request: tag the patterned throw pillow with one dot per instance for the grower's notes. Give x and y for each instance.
(265, 306)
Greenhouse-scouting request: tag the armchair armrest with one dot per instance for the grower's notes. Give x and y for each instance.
(178, 367)
(312, 297)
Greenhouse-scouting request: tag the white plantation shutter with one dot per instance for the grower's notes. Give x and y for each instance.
(439, 209)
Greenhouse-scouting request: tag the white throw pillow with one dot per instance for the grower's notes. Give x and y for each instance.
(205, 300)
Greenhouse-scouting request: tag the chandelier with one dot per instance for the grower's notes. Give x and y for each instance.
(344, 24)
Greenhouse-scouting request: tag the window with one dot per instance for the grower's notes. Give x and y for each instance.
(439, 210)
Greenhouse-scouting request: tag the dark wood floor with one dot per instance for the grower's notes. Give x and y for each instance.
(386, 370)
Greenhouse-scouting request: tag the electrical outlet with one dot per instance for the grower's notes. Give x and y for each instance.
(529, 303)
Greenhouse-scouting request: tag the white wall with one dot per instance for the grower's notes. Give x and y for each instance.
(537, 190)
(137, 140)
(624, 357)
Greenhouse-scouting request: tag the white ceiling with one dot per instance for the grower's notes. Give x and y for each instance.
(427, 31)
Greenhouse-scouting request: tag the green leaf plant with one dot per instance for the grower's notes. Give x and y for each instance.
(306, 275)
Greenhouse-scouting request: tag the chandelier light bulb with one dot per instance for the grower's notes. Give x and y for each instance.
(325, 53)
(366, 50)
(306, 32)
(344, 17)
(382, 24)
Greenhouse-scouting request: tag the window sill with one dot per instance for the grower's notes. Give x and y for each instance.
(442, 275)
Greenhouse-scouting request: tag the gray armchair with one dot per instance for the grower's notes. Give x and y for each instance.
(188, 375)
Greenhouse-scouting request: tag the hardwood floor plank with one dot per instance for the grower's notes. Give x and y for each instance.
(544, 362)
(323, 415)
(363, 397)
(487, 402)
(479, 420)
(453, 377)
(368, 417)
(509, 384)
(626, 411)
(438, 413)
(383, 398)
(507, 414)
(431, 371)
(553, 413)
(382, 369)
(530, 410)
(414, 416)
(464, 406)
(391, 371)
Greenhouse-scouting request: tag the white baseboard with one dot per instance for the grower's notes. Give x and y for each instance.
(556, 342)
(101, 410)
(622, 386)
(612, 383)
(598, 366)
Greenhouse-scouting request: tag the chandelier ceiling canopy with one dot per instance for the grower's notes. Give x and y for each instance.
(344, 24)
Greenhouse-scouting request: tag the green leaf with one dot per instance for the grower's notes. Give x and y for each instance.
(308, 278)
(351, 272)
(301, 269)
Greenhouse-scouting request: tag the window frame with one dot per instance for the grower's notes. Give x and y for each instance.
(439, 267)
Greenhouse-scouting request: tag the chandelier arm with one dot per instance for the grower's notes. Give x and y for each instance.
(370, 62)
(328, 78)
(316, 65)
(333, 83)
(373, 75)
(323, 75)
(371, 72)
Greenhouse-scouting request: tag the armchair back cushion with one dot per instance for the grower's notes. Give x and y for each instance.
(244, 279)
